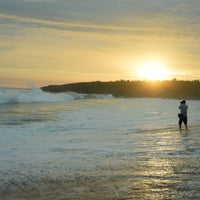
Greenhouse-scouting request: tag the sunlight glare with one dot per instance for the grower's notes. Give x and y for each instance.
(152, 70)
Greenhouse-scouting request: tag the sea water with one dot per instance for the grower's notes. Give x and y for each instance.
(91, 146)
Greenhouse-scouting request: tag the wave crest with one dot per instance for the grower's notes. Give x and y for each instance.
(36, 95)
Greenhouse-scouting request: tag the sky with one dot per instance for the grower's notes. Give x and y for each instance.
(46, 42)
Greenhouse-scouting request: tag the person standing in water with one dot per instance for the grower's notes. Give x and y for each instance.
(183, 114)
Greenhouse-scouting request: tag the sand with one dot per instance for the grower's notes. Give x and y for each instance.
(164, 165)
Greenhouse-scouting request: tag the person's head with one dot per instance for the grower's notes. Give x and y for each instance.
(183, 102)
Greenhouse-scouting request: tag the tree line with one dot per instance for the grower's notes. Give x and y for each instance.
(178, 89)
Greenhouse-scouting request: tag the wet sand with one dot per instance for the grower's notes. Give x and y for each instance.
(165, 164)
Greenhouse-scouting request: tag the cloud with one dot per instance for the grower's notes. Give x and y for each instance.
(5, 48)
(143, 17)
(96, 36)
(167, 20)
(37, 23)
(36, 1)
(138, 31)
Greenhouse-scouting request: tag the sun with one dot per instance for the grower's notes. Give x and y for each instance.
(152, 70)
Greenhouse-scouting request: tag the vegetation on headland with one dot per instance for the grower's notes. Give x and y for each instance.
(178, 89)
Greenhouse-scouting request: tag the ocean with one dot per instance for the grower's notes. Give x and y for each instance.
(91, 146)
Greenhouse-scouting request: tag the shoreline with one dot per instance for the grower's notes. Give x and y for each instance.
(156, 164)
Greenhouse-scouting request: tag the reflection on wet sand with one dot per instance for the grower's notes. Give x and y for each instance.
(163, 165)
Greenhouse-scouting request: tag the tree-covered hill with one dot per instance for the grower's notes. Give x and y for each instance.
(122, 88)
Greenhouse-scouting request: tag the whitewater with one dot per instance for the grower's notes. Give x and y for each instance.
(94, 146)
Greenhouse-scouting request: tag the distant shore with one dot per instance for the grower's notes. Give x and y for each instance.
(176, 89)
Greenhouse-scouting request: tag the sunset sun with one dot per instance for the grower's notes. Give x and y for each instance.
(152, 70)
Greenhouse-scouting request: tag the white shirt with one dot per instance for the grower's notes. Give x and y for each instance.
(183, 109)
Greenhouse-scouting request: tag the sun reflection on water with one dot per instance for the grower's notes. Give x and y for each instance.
(170, 170)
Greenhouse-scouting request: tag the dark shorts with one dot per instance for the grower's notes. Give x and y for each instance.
(182, 119)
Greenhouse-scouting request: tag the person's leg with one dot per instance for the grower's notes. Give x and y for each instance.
(185, 122)
(180, 122)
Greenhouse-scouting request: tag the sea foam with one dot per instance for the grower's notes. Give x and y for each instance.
(36, 95)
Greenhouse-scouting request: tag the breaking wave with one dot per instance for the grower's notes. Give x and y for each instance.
(36, 95)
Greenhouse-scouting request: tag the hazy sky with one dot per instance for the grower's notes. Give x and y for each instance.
(59, 41)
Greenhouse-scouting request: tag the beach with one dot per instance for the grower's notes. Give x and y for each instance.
(102, 148)
(165, 167)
